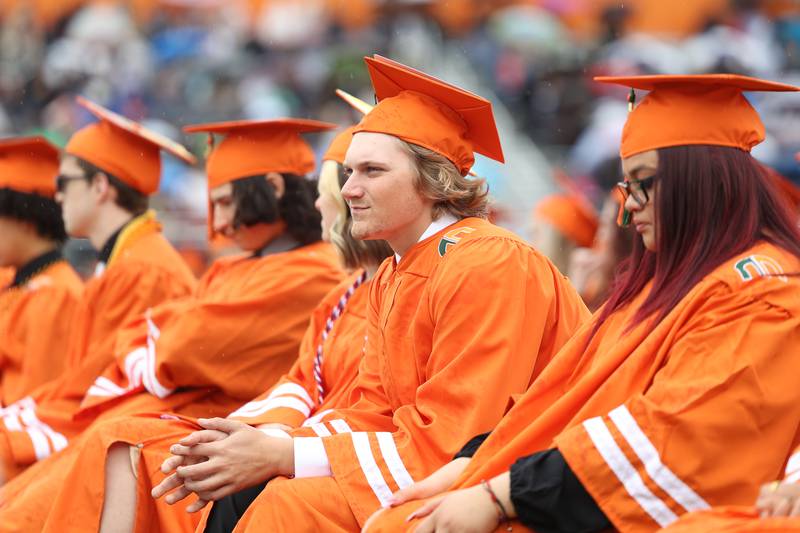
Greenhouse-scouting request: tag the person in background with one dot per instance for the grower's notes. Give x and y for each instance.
(106, 174)
(38, 303)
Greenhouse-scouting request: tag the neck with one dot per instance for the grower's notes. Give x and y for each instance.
(108, 223)
(411, 234)
(35, 248)
(370, 269)
(270, 232)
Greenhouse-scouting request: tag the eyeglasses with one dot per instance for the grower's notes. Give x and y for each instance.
(61, 181)
(638, 189)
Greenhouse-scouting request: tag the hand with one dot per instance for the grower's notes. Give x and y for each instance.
(244, 458)
(168, 467)
(469, 510)
(779, 499)
(436, 483)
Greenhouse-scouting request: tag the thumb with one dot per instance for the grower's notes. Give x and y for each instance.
(221, 424)
(417, 491)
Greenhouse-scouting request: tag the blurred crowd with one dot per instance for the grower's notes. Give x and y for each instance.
(174, 62)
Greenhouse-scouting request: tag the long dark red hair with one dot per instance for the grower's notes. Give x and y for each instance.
(713, 203)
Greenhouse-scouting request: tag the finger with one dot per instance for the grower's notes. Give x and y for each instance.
(198, 471)
(225, 490)
(426, 526)
(417, 491)
(196, 506)
(178, 495)
(425, 510)
(795, 511)
(201, 450)
(170, 482)
(782, 507)
(171, 463)
(199, 437)
(221, 424)
(206, 485)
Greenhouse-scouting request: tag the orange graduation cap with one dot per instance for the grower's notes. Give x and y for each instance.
(426, 111)
(253, 147)
(571, 216)
(690, 110)
(124, 148)
(29, 165)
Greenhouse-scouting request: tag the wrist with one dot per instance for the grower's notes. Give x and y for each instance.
(285, 457)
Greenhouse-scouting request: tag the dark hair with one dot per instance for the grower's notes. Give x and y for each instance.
(256, 203)
(713, 203)
(43, 212)
(128, 198)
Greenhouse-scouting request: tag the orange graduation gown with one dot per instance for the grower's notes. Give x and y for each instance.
(461, 325)
(78, 482)
(741, 519)
(34, 321)
(652, 419)
(143, 271)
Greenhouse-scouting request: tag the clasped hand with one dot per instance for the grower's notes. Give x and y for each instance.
(223, 458)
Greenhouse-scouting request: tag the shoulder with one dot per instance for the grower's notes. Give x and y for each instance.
(765, 273)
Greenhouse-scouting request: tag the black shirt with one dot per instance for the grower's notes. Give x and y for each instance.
(34, 266)
(547, 495)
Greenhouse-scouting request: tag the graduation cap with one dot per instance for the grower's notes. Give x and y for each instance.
(124, 148)
(256, 147)
(29, 165)
(693, 109)
(426, 111)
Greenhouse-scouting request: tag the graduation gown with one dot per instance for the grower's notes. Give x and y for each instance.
(659, 420)
(743, 518)
(72, 486)
(34, 322)
(463, 324)
(143, 271)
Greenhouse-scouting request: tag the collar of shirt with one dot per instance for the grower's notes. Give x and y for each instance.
(281, 243)
(435, 227)
(108, 248)
(34, 266)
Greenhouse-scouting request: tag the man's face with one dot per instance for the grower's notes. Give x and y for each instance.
(79, 200)
(248, 238)
(15, 233)
(381, 189)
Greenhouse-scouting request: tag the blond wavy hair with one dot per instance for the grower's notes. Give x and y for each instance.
(354, 253)
(439, 180)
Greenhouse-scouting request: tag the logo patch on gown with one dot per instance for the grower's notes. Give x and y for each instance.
(452, 238)
(759, 266)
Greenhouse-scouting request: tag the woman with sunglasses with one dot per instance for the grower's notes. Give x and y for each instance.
(664, 402)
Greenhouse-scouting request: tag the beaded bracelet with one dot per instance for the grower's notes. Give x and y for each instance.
(501, 510)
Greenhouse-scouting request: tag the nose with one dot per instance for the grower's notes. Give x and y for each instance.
(351, 189)
(317, 203)
(220, 221)
(59, 198)
(631, 204)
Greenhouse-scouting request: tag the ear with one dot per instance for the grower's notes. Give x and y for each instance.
(102, 187)
(276, 180)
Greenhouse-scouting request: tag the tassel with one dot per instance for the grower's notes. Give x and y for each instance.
(631, 100)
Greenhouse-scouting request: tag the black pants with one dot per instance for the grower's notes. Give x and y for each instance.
(226, 512)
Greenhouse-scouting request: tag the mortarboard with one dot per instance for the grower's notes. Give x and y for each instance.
(29, 165)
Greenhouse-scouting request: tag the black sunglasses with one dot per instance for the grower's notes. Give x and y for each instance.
(638, 189)
(61, 181)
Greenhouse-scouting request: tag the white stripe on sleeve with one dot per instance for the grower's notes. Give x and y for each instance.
(370, 468)
(658, 471)
(393, 460)
(626, 473)
(292, 388)
(320, 430)
(340, 426)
